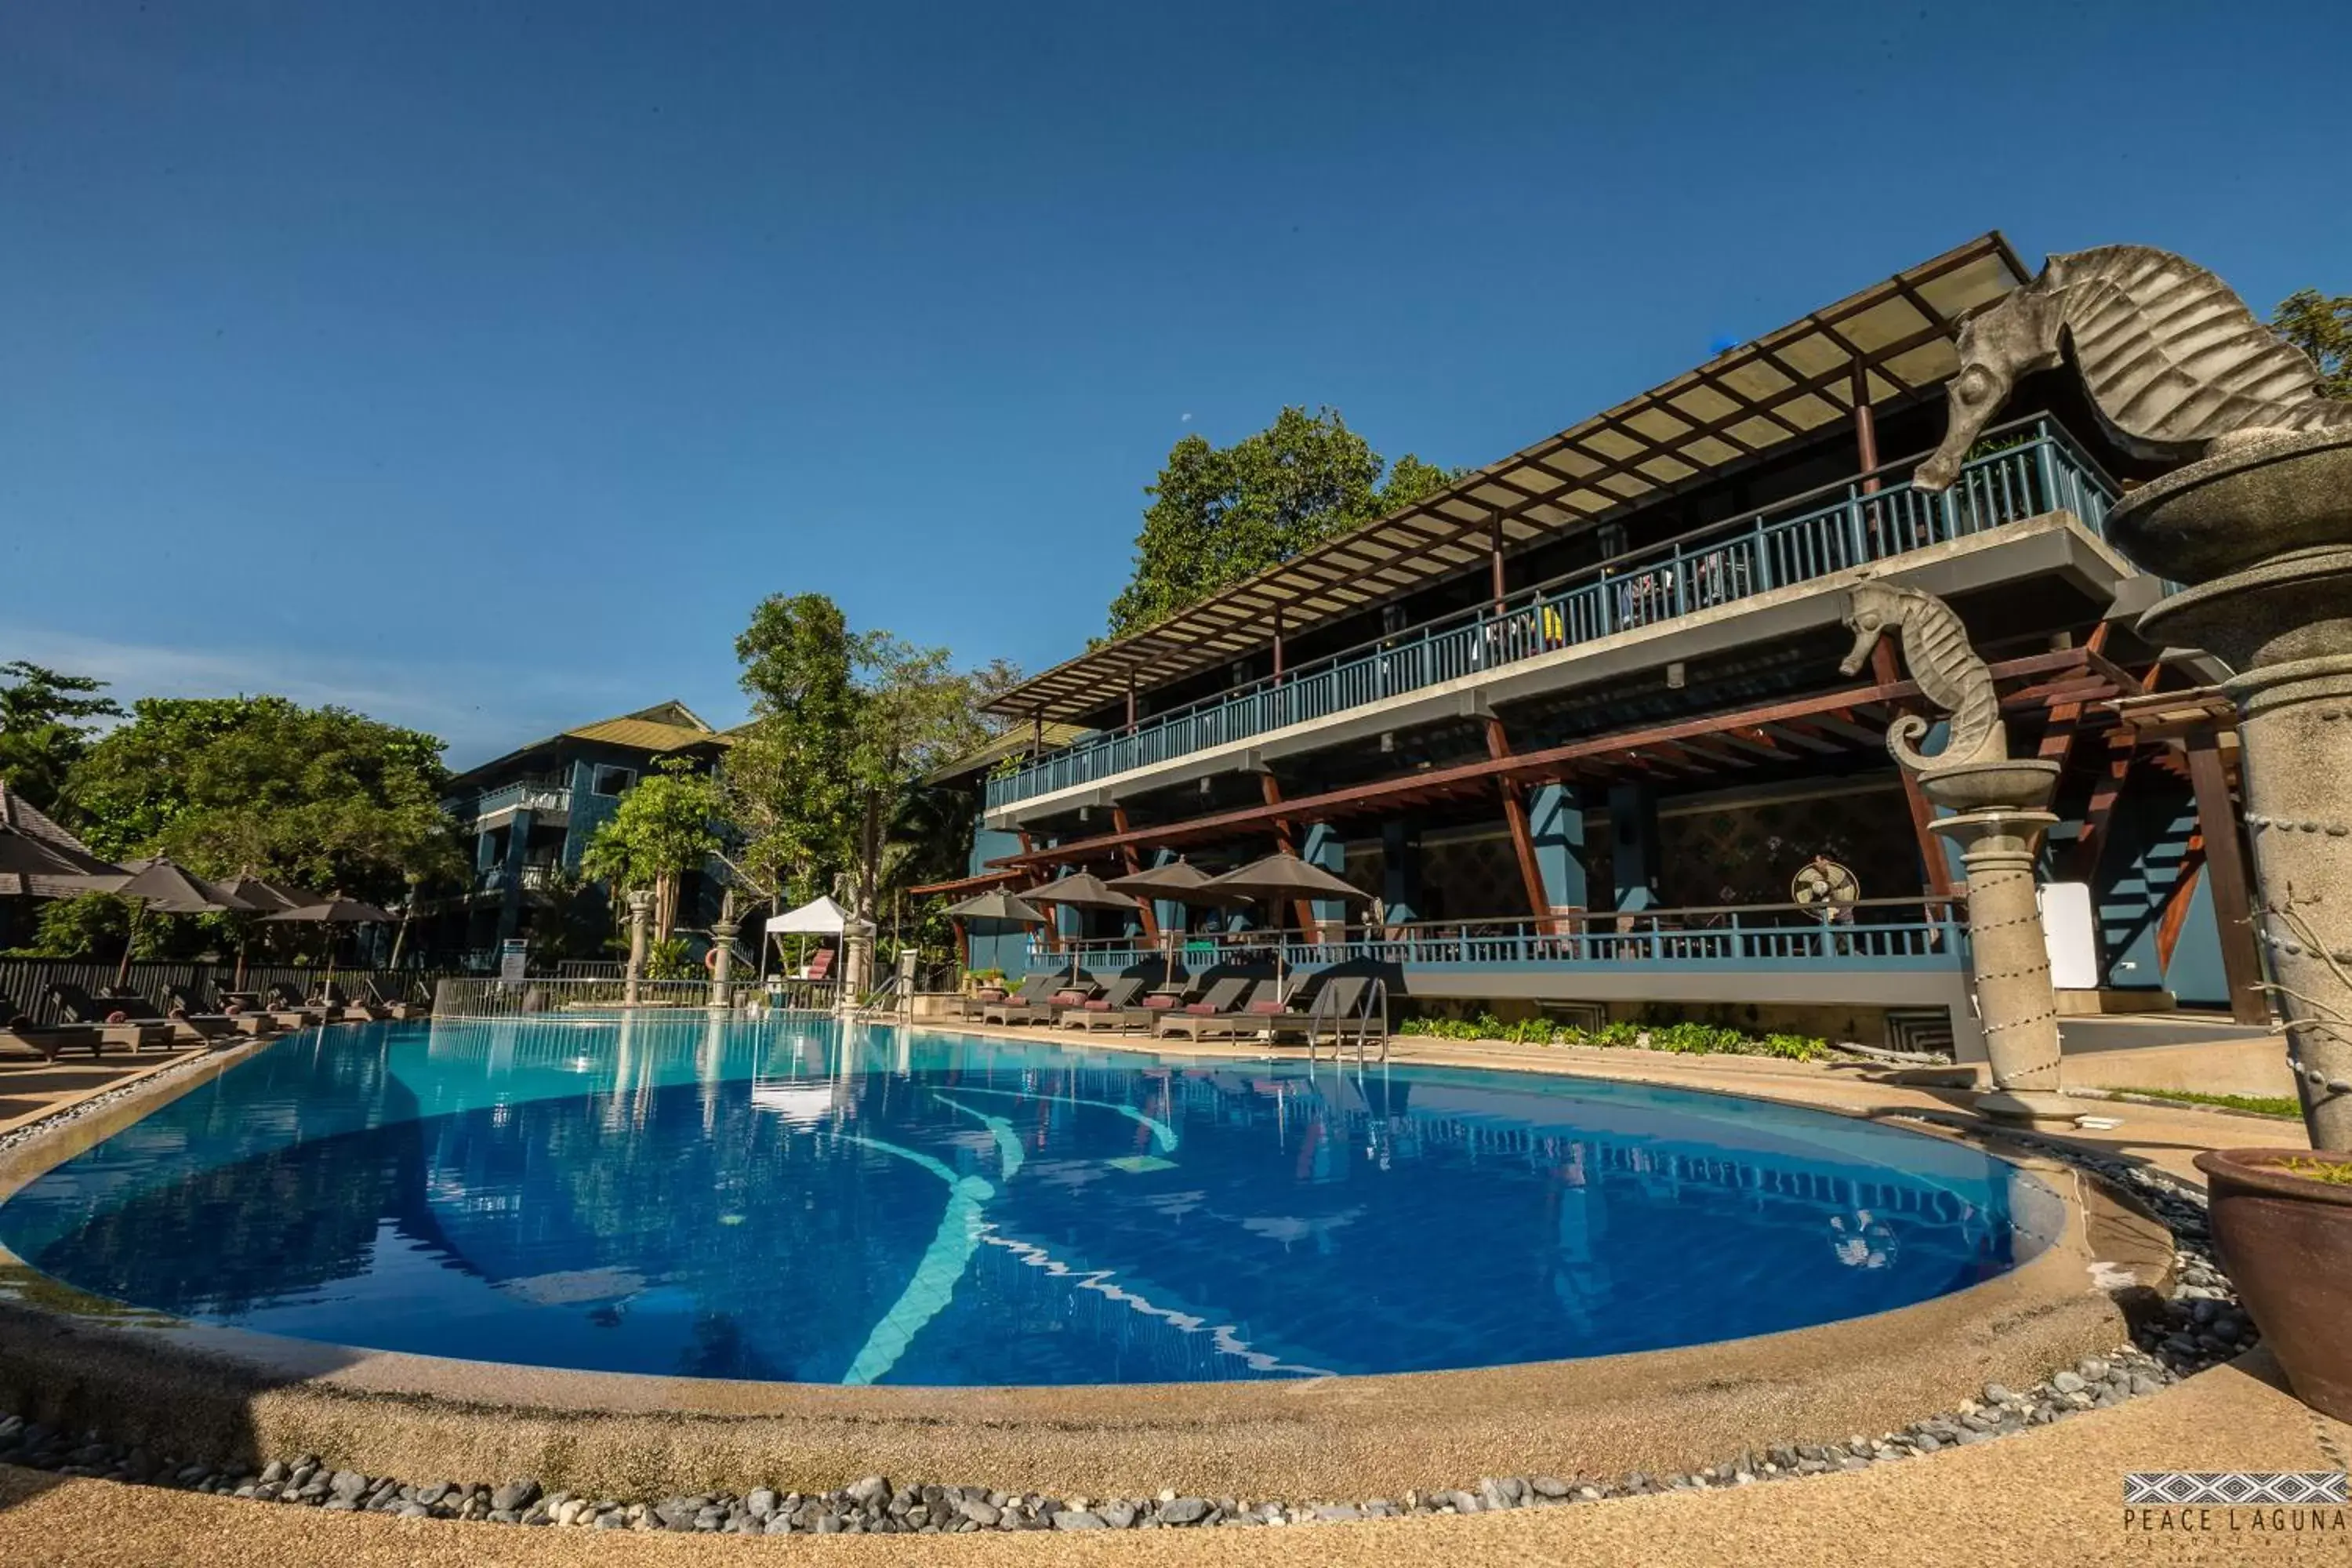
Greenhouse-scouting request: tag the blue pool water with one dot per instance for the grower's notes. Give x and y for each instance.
(776, 1200)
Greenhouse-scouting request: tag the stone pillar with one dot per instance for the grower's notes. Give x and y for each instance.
(2002, 815)
(1556, 819)
(1633, 853)
(1325, 849)
(722, 942)
(2263, 531)
(640, 909)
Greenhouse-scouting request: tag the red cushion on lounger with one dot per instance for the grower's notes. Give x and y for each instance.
(1207, 1009)
(1099, 1005)
(1161, 1004)
(1069, 998)
(117, 1016)
(1269, 1008)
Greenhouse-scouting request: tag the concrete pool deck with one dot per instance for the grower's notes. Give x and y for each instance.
(1334, 1438)
(2049, 1495)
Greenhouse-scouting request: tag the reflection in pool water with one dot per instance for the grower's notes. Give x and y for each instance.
(773, 1200)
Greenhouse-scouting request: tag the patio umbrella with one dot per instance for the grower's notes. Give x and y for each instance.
(170, 888)
(1082, 891)
(996, 904)
(1178, 882)
(1286, 877)
(268, 897)
(334, 909)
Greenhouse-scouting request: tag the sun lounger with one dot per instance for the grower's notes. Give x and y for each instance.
(1033, 990)
(353, 1006)
(80, 1007)
(19, 1037)
(242, 1004)
(1347, 999)
(1116, 999)
(211, 1029)
(283, 996)
(1070, 994)
(397, 1005)
(1223, 1001)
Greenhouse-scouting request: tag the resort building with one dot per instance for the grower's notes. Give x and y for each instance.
(530, 814)
(1576, 724)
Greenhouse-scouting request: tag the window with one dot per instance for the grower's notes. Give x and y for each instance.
(612, 780)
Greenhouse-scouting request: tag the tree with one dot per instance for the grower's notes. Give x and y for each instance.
(666, 826)
(2321, 326)
(322, 797)
(1219, 514)
(914, 713)
(45, 727)
(786, 783)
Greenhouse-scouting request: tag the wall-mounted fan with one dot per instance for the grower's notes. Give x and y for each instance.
(1825, 887)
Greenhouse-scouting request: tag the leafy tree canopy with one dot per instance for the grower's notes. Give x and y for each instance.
(321, 797)
(1220, 513)
(2321, 326)
(666, 826)
(46, 727)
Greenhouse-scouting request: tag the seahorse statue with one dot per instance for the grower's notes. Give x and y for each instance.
(2172, 359)
(1935, 650)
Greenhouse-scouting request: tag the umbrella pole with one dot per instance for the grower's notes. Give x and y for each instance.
(129, 940)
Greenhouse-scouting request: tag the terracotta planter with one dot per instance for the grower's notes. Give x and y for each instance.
(2286, 1241)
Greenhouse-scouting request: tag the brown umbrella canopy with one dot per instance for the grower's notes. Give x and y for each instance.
(168, 887)
(271, 897)
(1288, 876)
(1082, 891)
(1179, 882)
(332, 912)
(996, 905)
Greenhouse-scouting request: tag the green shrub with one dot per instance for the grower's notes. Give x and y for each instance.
(1682, 1037)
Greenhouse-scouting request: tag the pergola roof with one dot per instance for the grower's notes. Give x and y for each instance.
(1786, 386)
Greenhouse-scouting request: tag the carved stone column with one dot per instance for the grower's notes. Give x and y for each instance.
(2002, 813)
(722, 942)
(2262, 529)
(640, 908)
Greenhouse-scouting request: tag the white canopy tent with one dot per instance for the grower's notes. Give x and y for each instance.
(819, 917)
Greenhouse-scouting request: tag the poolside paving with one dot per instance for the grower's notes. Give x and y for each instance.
(2049, 1495)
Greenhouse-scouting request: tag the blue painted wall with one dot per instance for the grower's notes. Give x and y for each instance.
(2147, 844)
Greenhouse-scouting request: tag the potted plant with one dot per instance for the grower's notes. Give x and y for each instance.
(2283, 1219)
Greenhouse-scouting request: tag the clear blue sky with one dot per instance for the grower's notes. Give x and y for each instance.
(481, 365)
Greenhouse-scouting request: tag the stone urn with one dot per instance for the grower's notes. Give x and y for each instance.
(2285, 1236)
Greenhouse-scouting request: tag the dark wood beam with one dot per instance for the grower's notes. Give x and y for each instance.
(1514, 813)
(1935, 865)
(2225, 862)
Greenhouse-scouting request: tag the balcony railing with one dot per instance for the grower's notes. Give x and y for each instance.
(1875, 933)
(535, 877)
(2036, 469)
(547, 797)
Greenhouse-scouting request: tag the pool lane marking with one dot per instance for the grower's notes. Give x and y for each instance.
(1161, 1133)
(1008, 1142)
(936, 1275)
(1225, 1337)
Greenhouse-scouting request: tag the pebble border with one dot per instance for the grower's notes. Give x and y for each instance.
(2201, 1325)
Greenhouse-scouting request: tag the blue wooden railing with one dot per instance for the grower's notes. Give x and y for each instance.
(1878, 933)
(2035, 468)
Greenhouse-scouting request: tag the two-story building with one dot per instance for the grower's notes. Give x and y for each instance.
(530, 814)
(1576, 725)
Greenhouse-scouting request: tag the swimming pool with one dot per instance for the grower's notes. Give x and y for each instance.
(789, 1200)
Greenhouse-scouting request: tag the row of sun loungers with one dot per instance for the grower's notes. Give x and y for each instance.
(127, 1020)
(1228, 1006)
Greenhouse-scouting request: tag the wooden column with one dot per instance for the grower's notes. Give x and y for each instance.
(1302, 909)
(1523, 838)
(1866, 424)
(1495, 553)
(1130, 705)
(1931, 846)
(1134, 864)
(1278, 645)
(2225, 866)
(963, 944)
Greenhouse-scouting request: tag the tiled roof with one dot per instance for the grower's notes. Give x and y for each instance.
(669, 726)
(1018, 739)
